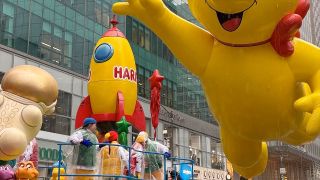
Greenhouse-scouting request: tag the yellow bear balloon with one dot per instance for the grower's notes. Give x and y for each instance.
(261, 82)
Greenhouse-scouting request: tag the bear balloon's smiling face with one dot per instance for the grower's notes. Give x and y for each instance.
(241, 21)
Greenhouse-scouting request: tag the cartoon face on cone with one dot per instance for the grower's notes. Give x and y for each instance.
(27, 93)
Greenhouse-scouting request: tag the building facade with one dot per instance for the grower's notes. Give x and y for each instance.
(315, 9)
(59, 36)
(311, 24)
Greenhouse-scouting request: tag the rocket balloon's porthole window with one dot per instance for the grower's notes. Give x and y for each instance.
(103, 53)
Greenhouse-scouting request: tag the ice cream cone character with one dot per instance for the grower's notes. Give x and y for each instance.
(27, 93)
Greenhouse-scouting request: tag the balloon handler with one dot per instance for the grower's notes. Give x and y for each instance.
(84, 157)
(152, 162)
(136, 161)
(114, 159)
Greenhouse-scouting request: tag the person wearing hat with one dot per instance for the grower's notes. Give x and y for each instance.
(84, 157)
(136, 160)
(152, 162)
(114, 159)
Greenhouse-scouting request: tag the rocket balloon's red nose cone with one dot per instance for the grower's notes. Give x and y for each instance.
(114, 31)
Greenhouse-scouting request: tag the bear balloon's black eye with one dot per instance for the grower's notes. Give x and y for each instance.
(103, 53)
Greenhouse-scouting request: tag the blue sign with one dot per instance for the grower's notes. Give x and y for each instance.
(185, 171)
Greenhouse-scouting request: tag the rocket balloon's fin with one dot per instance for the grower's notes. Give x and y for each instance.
(120, 106)
(138, 119)
(83, 112)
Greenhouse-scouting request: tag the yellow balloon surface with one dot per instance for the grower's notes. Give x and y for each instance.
(255, 94)
(116, 72)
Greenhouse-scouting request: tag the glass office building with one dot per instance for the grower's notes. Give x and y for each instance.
(59, 36)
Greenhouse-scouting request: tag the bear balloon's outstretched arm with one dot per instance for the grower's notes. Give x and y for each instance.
(181, 36)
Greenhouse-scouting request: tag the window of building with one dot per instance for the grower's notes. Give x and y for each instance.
(56, 124)
(54, 46)
(141, 36)
(90, 8)
(170, 56)
(35, 35)
(98, 11)
(160, 51)
(141, 83)
(8, 12)
(170, 94)
(67, 48)
(195, 148)
(182, 136)
(57, 45)
(80, 6)
(68, 2)
(135, 31)
(45, 41)
(1, 76)
(105, 14)
(60, 121)
(147, 74)
(6, 24)
(128, 29)
(77, 54)
(165, 52)
(217, 156)
(164, 92)
(168, 136)
(48, 14)
(174, 95)
(87, 55)
(147, 39)
(154, 43)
